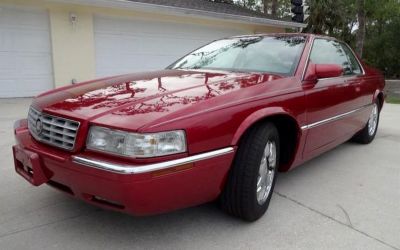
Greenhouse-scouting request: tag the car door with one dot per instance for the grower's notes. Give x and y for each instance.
(329, 100)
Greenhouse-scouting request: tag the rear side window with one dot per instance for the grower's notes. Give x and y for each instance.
(330, 52)
(355, 66)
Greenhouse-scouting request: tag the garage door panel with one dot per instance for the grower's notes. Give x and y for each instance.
(156, 29)
(33, 85)
(8, 64)
(23, 17)
(129, 45)
(24, 40)
(142, 62)
(29, 86)
(106, 25)
(25, 52)
(6, 40)
(146, 45)
(21, 64)
(169, 46)
(32, 41)
(8, 87)
(35, 65)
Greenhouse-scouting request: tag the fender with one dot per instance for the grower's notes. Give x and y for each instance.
(257, 116)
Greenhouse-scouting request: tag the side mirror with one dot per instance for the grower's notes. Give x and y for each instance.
(318, 71)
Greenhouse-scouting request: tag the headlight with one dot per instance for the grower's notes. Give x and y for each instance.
(136, 145)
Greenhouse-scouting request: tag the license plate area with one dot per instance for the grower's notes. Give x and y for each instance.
(28, 165)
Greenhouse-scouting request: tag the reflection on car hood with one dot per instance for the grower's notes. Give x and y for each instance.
(145, 96)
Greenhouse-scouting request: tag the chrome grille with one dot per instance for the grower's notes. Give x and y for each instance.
(53, 130)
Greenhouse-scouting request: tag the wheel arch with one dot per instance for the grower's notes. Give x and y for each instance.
(288, 128)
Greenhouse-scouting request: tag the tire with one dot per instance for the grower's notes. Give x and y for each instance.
(243, 195)
(367, 134)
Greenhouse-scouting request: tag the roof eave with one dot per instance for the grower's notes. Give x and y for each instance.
(124, 4)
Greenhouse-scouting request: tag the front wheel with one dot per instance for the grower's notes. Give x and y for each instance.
(367, 134)
(252, 177)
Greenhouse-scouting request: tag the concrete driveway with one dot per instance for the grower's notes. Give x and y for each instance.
(348, 198)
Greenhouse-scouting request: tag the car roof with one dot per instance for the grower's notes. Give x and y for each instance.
(286, 34)
(270, 34)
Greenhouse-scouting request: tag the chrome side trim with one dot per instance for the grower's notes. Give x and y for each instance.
(334, 118)
(129, 169)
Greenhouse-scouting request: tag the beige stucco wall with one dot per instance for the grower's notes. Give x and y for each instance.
(72, 45)
(73, 48)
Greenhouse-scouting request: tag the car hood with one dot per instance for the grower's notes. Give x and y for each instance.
(137, 99)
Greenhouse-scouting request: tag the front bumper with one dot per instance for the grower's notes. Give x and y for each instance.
(136, 189)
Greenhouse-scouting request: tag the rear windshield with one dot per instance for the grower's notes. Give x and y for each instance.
(277, 55)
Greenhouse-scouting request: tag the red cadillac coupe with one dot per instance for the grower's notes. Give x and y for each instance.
(218, 124)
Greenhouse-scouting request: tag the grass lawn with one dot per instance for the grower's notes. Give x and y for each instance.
(392, 99)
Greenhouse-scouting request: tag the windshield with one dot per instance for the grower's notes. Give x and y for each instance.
(272, 54)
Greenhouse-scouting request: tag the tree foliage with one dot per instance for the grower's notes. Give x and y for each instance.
(257, 5)
(338, 18)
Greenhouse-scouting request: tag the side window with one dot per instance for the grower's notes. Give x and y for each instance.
(355, 66)
(330, 52)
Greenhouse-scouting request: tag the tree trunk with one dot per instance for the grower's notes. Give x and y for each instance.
(266, 6)
(361, 27)
(274, 7)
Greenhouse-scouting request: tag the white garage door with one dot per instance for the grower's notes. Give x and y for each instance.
(124, 46)
(25, 52)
